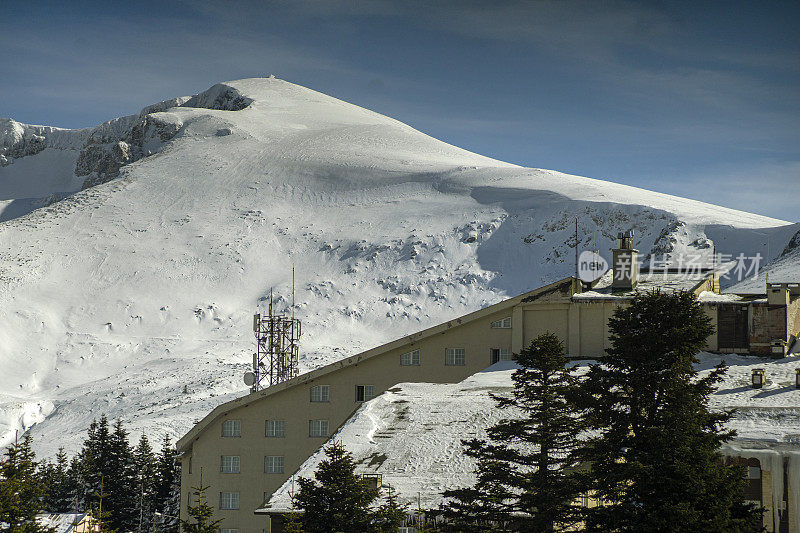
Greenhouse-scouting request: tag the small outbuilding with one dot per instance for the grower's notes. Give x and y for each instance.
(69, 522)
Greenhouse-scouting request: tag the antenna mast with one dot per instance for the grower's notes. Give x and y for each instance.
(277, 347)
(577, 273)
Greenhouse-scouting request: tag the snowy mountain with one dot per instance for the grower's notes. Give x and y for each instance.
(133, 254)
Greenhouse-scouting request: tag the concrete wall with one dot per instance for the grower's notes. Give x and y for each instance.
(769, 323)
(793, 320)
(712, 343)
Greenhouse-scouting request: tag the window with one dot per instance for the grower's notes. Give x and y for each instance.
(454, 357)
(753, 472)
(229, 464)
(228, 530)
(190, 464)
(232, 428)
(502, 324)
(500, 354)
(584, 500)
(321, 393)
(228, 500)
(410, 359)
(273, 464)
(276, 428)
(317, 428)
(406, 530)
(365, 393)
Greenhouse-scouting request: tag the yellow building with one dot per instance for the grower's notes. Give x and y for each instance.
(248, 447)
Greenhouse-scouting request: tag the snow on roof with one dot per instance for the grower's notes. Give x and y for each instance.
(714, 298)
(60, 522)
(412, 434)
(664, 280)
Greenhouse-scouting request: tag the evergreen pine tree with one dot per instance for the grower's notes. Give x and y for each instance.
(527, 476)
(655, 458)
(107, 456)
(21, 490)
(338, 500)
(146, 469)
(201, 514)
(78, 484)
(56, 476)
(100, 511)
(292, 523)
(92, 465)
(168, 488)
(390, 515)
(121, 486)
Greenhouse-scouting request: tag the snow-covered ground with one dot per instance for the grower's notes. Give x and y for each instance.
(133, 254)
(412, 434)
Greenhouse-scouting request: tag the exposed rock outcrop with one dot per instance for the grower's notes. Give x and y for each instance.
(106, 148)
(221, 97)
(101, 159)
(17, 141)
(792, 245)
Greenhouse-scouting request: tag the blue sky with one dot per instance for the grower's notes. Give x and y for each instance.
(698, 99)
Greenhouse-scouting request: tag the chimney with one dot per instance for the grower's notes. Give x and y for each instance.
(626, 263)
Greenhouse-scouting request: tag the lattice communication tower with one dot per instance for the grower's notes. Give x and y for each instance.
(277, 348)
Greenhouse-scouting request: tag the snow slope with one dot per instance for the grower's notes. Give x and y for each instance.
(133, 254)
(783, 269)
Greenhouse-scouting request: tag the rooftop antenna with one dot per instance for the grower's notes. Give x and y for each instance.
(577, 275)
(277, 347)
(292, 292)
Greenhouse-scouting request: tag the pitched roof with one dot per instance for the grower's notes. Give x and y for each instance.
(663, 280)
(60, 522)
(411, 435)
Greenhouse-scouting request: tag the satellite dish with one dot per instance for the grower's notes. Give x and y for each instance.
(249, 379)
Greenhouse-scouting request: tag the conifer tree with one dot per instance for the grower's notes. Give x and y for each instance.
(21, 490)
(107, 456)
(338, 500)
(146, 471)
(59, 481)
(93, 461)
(292, 523)
(390, 515)
(527, 476)
(121, 486)
(654, 457)
(201, 514)
(75, 474)
(168, 489)
(99, 509)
